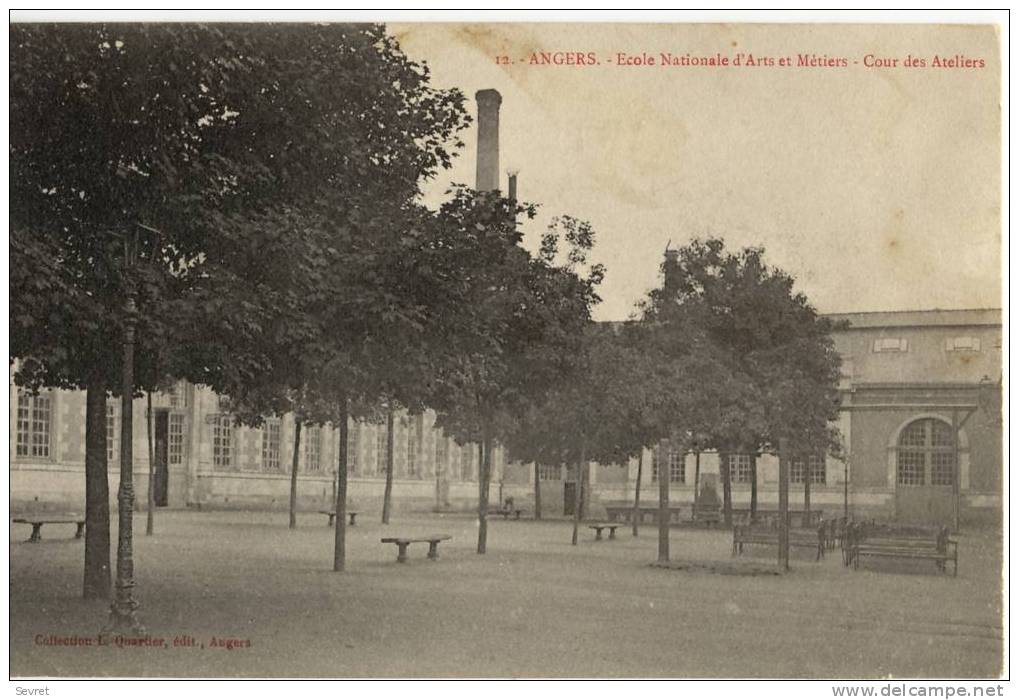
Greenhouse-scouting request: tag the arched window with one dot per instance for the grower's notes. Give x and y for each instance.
(926, 454)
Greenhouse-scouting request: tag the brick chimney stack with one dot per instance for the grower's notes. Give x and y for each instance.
(671, 270)
(488, 140)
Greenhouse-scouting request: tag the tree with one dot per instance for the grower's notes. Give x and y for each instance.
(522, 323)
(777, 370)
(183, 135)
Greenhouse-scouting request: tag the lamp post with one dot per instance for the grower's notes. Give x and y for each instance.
(123, 609)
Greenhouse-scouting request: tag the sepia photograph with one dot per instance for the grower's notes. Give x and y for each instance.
(403, 347)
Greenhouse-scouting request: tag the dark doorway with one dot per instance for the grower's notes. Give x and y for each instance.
(569, 497)
(161, 479)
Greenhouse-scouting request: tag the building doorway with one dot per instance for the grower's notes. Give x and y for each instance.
(161, 473)
(926, 466)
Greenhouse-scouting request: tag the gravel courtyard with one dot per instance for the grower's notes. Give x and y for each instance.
(533, 606)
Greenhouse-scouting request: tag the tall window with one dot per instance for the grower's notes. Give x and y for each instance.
(112, 431)
(739, 469)
(271, 445)
(467, 454)
(313, 448)
(34, 420)
(380, 449)
(549, 472)
(926, 454)
(677, 465)
(441, 453)
(223, 441)
(353, 447)
(412, 448)
(175, 438)
(178, 399)
(813, 465)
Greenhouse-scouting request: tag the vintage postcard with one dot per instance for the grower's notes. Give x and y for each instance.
(507, 350)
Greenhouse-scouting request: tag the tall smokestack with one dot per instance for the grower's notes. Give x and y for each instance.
(671, 269)
(512, 186)
(488, 139)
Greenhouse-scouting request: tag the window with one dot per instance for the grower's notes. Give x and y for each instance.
(112, 431)
(467, 461)
(926, 454)
(271, 445)
(891, 345)
(178, 399)
(313, 449)
(677, 467)
(739, 469)
(814, 465)
(175, 438)
(353, 447)
(380, 449)
(549, 472)
(441, 453)
(222, 440)
(412, 448)
(34, 420)
(962, 343)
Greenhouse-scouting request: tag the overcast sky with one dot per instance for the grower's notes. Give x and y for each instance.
(876, 188)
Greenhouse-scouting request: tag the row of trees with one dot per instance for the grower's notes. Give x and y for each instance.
(238, 206)
(724, 356)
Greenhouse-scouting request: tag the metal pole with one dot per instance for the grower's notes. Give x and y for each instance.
(956, 490)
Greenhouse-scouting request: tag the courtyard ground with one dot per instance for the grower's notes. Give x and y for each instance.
(533, 606)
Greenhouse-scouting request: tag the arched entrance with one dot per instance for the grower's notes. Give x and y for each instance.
(926, 462)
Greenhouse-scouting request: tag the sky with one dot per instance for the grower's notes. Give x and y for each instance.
(876, 187)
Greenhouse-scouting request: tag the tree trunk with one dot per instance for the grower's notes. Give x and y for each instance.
(537, 491)
(726, 490)
(783, 504)
(123, 611)
(96, 583)
(387, 497)
(663, 506)
(578, 502)
(340, 539)
(806, 493)
(753, 487)
(696, 479)
(293, 472)
(483, 475)
(635, 516)
(149, 517)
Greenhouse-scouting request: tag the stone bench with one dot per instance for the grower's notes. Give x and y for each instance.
(332, 516)
(402, 543)
(611, 527)
(37, 521)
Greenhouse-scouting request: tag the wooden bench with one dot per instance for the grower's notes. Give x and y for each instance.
(37, 521)
(402, 542)
(936, 546)
(747, 534)
(611, 527)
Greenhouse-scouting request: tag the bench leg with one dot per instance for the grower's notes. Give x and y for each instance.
(402, 554)
(331, 517)
(597, 533)
(433, 550)
(80, 531)
(353, 518)
(36, 532)
(612, 533)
